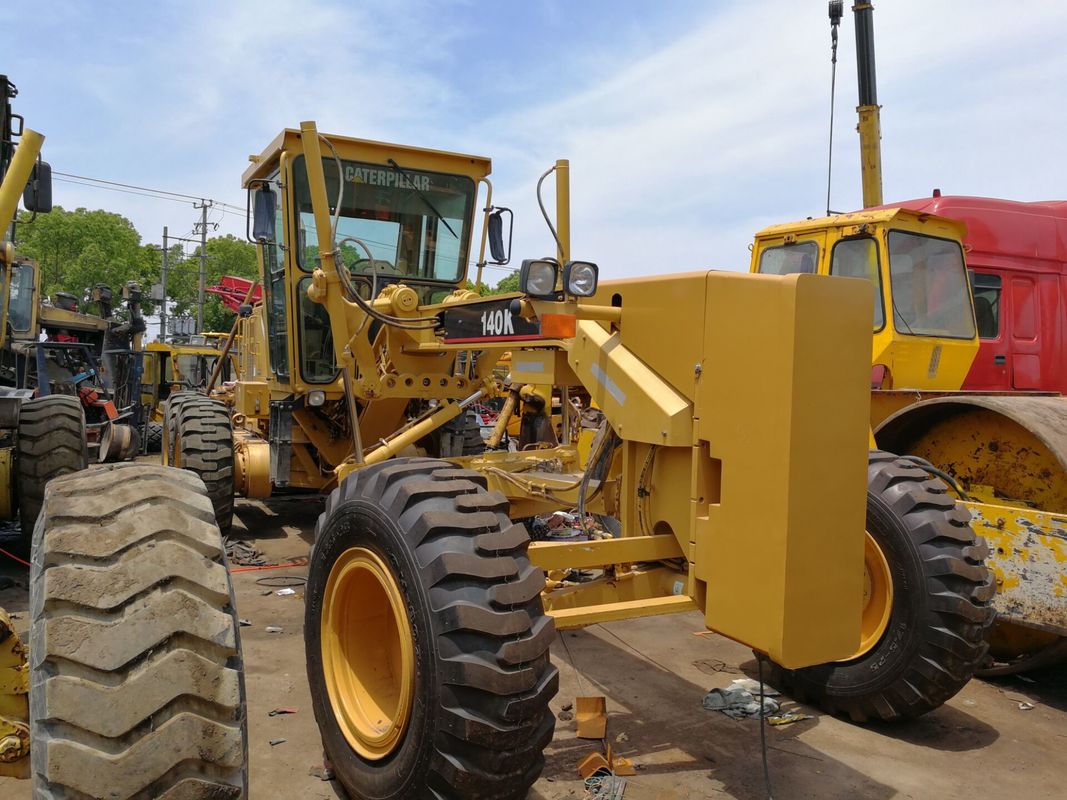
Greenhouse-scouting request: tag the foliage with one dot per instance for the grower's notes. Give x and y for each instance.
(509, 283)
(78, 249)
(226, 255)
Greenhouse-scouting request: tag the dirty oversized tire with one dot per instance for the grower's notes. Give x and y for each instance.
(941, 610)
(51, 442)
(204, 445)
(136, 686)
(476, 651)
(154, 437)
(170, 422)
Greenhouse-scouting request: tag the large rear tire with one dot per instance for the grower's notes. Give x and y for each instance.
(136, 687)
(170, 422)
(939, 609)
(51, 442)
(426, 639)
(154, 434)
(204, 445)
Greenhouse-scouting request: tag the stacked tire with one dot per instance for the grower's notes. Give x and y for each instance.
(136, 681)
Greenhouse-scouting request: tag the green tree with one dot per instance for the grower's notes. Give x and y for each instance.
(226, 255)
(78, 249)
(509, 283)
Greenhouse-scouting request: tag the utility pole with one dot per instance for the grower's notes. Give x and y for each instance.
(203, 205)
(163, 308)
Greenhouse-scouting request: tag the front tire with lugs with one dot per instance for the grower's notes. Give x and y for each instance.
(426, 639)
(935, 638)
(136, 687)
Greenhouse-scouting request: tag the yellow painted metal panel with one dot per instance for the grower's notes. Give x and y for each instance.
(252, 398)
(663, 321)
(642, 406)
(1028, 554)
(581, 616)
(783, 403)
(582, 555)
(541, 367)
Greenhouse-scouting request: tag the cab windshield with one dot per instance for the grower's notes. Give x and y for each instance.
(931, 295)
(415, 224)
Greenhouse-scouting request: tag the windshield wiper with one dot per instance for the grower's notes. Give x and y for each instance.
(424, 198)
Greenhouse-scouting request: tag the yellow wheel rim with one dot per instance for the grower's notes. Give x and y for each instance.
(367, 655)
(877, 595)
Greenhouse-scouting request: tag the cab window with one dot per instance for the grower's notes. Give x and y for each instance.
(987, 290)
(789, 259)
(400, 223)
(858, 258)
(275, 299)
(20, 304)
(929, 287)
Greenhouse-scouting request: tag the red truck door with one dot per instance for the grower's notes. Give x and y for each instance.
(1025, 333)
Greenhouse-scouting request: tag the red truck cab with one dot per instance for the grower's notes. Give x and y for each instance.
(1017, 257)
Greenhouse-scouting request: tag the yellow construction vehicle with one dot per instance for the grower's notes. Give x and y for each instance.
(1003, 454)
(174, 366)
(429, 617)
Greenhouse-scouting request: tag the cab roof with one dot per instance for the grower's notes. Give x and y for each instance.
(371, 151)
(874, 216)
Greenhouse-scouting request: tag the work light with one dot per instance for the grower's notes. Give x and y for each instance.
(537, 277)
(580, 278)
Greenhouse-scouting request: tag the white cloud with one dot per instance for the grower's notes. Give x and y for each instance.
(678, 151)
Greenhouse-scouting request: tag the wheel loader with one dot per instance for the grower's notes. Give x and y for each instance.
(429, 614)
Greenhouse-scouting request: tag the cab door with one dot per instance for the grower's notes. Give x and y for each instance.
(1025, 333)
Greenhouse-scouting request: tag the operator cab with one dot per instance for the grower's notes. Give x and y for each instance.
(400, 215)
(915, 265)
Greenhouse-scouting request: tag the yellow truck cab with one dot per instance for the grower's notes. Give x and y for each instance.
(925, 335)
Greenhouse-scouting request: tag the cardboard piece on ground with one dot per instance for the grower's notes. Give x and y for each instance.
(591, 763)
(623, 767)
(592, 716)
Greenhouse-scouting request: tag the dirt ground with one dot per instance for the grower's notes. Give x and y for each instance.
(654, 673)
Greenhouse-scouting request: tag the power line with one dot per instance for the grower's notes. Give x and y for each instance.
(128, 186)
(123, 191)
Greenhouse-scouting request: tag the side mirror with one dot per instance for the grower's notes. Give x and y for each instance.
(37, 196)
(495, 222)
(263, 215)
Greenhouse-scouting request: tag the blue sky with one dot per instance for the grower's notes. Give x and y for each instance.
(689, 125)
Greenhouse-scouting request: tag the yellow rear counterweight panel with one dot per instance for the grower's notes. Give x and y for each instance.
(783, 400)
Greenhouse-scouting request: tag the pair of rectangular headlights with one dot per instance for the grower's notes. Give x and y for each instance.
(539, 277)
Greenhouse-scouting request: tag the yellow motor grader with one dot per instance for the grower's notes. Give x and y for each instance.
(429, 613)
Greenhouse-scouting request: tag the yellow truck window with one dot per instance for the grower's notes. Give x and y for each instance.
(858, 258)
(928, 283)
(788, 259)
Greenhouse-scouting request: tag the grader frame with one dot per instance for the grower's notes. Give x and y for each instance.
(649, 394)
